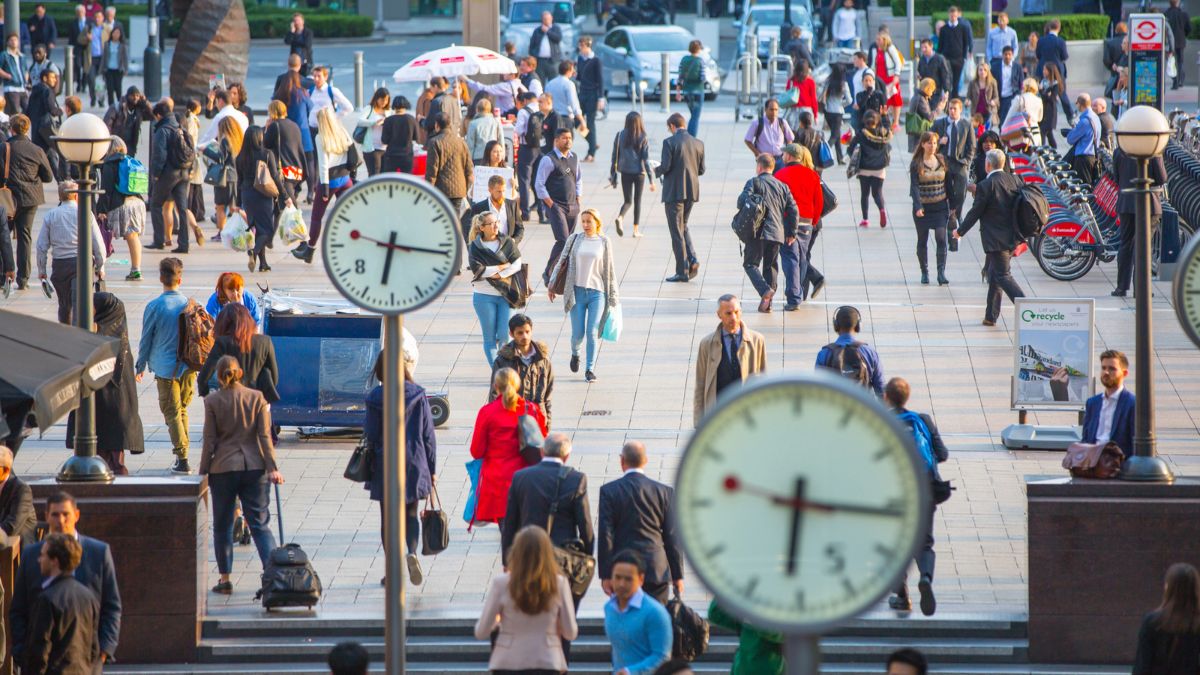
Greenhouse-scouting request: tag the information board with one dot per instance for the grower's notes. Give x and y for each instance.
(1052, 365)
(1147, 59)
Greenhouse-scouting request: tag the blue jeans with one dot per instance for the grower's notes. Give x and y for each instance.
(253, 489)
(585, 315)
(795, 268)
(845, 44)
(695, 103)
(493, 312)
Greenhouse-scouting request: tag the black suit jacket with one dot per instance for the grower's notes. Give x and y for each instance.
(995, 199)
(636, 514)
(28, 168)
(681, 168)
(516, 228)
(590, 75)
(257, 365)
(96, 571)
(17, 517)
(936, 69)
(960, 154)
(1016, 79)
(955, 42)
(530, 498)
(1052, 49)
(63, 626)
(1126, 169)
(554, 35)
(300, 44)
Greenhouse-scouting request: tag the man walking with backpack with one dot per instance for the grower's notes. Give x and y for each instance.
(933, 451)
(529, 132)
(170, 163)
(857, 361)
(159, 349)
(767, 219)
(995, 210)
(689, 85)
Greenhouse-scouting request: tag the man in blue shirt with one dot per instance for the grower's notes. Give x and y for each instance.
(158, 348)
(638, 627)
(853, 359)
(1085, 140)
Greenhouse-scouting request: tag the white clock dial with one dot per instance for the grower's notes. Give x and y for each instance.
(391, 243)
(800, 501)
(1187, 289)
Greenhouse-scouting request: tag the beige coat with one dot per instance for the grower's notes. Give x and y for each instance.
(527, 642)
(752, 356)
(237, 432)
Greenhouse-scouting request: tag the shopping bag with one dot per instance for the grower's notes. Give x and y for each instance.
(612, 324)
(473, 468)
(237, 235)
(824, 155)
(292, 228)
(789, 98)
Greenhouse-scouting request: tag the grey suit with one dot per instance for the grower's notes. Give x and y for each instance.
(680, 171)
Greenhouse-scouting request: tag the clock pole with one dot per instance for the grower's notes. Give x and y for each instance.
(394, 461)
(802, 654)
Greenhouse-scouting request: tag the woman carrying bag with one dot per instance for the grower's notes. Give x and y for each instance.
(928, 188)
(258, 176)
(237, 336)
(337, 162)
(369, 131)
(494, 260)
(497, 440)
(631, 159)
(222, 170)
(589, 286)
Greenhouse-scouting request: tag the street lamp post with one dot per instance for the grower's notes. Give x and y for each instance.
(84, 139)
(1142, 133)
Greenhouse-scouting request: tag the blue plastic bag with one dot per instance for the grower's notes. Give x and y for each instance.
(473, 468)
(825, 160)
(612, 324)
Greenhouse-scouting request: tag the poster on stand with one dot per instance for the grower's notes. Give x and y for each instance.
(1053, 352)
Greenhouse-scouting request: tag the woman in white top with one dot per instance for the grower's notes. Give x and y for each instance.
(493, 259)
(591, 287)
(1030, 105)
(370, 129)
(484, 127)
(337, 162)
(530, 605)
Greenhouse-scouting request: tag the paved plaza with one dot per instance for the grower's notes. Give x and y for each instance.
(959, 371)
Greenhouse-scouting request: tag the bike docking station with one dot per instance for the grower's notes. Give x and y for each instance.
(1052, 369)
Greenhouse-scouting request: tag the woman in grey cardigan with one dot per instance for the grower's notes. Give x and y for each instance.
(591, 286)
(631, 159)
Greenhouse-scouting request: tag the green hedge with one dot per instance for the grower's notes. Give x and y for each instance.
(1074, 26)
(926, 7)
(1195, 32)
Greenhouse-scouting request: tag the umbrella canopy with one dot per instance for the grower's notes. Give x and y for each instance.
(452, 61)
(48, 362)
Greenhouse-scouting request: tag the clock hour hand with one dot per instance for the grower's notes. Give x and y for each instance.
(387, 261)
(794, 539)
(355, 234)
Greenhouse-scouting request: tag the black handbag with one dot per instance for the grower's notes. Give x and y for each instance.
(829, 201)
(435, 526)
(530, 434)
(358, 469)
(576, 564)
(515, 289)
(217, 176)
(360, 134)
(691, 631)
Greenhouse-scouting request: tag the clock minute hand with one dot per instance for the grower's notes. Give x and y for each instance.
(355, 234)
(794, 539)
(734, 484)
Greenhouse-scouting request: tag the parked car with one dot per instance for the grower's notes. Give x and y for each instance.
(523, 16)
(765, 20)
(632, 54)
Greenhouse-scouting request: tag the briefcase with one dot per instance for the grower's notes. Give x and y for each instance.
(435, 526)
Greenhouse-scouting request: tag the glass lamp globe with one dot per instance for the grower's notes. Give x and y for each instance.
(1143, 131)
(84, 138)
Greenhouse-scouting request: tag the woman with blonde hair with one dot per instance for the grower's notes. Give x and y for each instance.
(983, 96)
(224, 154)
(591, 290)
(928, 186)
(484, 127)
(530, 604)
(493, 258)
(920, 112)
(885, 59)
(283, 137)
(337, 160)
(1029, 104)
(497, 442)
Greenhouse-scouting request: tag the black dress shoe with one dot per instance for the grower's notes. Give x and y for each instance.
(154, 247)
(179, 250)
(1118, 293)
(816, 288)
(678, 278)
(693, 270)
(900, 603)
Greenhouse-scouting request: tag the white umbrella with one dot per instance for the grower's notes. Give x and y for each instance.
(453, 61)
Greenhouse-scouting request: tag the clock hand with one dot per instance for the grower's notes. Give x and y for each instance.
(734, 484)
(794, 541)
(355, 234)
(387, 261)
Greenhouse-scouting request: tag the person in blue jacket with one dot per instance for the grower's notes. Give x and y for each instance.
(421, 457)
(1109, 416)
(230, 287)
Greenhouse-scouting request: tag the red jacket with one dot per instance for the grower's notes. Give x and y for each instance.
(805, 185)
(496, 442)
(808, 93)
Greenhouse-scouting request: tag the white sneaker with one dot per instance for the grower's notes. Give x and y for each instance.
(414, 569)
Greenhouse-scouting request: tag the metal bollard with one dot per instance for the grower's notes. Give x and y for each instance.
(772, 52)
(358, 80)
(666, 82)
(68, 78)
(751, 71)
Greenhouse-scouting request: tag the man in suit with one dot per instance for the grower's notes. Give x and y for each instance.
(558, 182)
(1114, 56)
(589, 72)
(1053, 49)
(42, 29)
(545, 44)
(995, 203)
(1179, 24)
(95, 570)
(17, 517)
(66, 615)
(1126, 169)
(935, 67)
(508, 212)
(1110, 416)
(1010, 77)
(680, 171)
(955, 42)
(28, 168)
(78, 31)
(299, 40)
(635, 515)
(957, 141)
(727, 356)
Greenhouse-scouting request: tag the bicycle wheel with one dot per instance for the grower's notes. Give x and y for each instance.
(1063, 257)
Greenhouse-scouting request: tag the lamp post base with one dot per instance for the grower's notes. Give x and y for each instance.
(1146, 469)
(85, 470)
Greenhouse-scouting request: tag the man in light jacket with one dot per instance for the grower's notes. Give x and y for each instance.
(726, 356)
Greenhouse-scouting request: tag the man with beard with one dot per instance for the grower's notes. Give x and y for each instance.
(1108, 416)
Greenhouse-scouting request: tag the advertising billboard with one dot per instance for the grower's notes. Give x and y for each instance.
(1052, 365)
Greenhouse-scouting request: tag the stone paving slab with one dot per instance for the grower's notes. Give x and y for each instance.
(959, 371)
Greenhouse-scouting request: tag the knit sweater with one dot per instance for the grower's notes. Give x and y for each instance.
(607, 272)
(448, 165)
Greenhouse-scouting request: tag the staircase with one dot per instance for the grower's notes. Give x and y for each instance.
(282, 644)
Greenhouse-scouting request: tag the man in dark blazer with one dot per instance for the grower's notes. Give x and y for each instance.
(95, 570)
(28, 168)
(956, 42)
(545, 44)
(1109, 416)
(636, 515)
(1114, 56)
(17, 517)
(1010, 86)
(680, 171)
(42, 29)
(957, 143)
(1053, 49)
(589, 73)
(994, 207)
(1126, 169)
(935, 67)
(76, 27)
(507, 210)
(299, 40)
(63, 627)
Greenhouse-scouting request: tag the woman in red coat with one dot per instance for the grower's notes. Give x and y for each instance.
(497, 442)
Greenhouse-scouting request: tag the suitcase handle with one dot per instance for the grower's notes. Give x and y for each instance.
(279, 511)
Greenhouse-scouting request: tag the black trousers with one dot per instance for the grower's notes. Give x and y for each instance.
(374, 161)
(527, 157)
(813, 276)
(62, 277)
(681, 239)
(1179, 66)
(1088, 168)
(563, 218)
(8, 264)
(834, 120)
(1125, 262)
(956, 184)
(660, 591)
(112, 85)
(310, 171)
(631, 190)
(926, 558)
(170, 187)
(956, 67)
(1000, 279)
(871, 186)
(15, 102)
(589, 104)
(764, 255)
(23, 222)
(403, 164)
(412, 526)
(1005, 104)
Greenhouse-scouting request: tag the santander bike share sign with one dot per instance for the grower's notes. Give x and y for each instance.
(1147, 47)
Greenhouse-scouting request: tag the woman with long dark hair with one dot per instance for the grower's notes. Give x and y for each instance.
(400, 132)
(928, 185)
(1169, 640)
(874, 143)
(116, 63)
(237, 335)
(1050, 89)
(494, 155)
(299, 106)
(802, 80)
(372, 120)
(834, 98)
(631, 159)
(256, 207)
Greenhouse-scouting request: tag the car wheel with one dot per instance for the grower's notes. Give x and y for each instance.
(710, 96)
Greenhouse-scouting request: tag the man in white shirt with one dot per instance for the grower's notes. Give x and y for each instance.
(856, 82)
(59, 238)
(566, 96)
(845, 26)
(226, 110)
(1010, 76)
(1109, 416)
(325, 95)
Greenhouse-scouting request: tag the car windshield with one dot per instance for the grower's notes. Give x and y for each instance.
(531, 12)
(666, 41)
(774, 16)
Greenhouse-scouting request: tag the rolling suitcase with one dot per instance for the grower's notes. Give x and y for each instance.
(289, 579)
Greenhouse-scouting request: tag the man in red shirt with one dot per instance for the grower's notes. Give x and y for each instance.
(798, 272)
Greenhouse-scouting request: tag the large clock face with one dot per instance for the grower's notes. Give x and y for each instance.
(800, 502)
(1187, 290)
(391, 243)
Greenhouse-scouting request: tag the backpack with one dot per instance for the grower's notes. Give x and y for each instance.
(940, 489)
(132, 177)
(288, 579)
(689, 629)
(1031, 211)
(533, 130)
(180, 153)
(690, 72)
(747, 222)
(195, 336)
(847, 361)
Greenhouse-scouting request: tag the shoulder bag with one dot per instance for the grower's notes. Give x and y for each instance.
(529, 432)
(829, 201)
(263, 181)
(577, 565)
(435, 525)
(6, 197)
(1092, 460)
(558, 282)
(358, 469)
